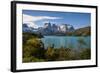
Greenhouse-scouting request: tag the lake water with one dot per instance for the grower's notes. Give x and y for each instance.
(67, 41)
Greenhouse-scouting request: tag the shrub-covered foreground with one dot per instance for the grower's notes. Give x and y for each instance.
(34, 51)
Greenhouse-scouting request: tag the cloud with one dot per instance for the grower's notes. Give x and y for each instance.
(30, 20)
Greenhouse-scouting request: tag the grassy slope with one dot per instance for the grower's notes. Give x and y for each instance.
(85, 31)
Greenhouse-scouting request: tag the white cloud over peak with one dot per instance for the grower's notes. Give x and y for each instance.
(30, 20)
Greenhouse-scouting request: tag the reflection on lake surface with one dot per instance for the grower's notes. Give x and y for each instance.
(73, 42)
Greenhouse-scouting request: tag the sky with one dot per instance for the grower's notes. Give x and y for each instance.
(37, 19)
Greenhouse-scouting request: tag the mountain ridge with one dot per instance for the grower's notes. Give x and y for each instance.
(63, 29)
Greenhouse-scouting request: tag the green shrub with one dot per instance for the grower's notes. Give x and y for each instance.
(49, 54)
(85, 54)
(27, 59)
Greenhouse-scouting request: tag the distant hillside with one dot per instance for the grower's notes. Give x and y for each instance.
(86, 31)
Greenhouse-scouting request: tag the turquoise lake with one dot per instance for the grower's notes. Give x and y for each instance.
(67, 41)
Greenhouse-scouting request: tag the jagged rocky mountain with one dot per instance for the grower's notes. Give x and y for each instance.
(54, 29)
(25, 28)
(50, 29)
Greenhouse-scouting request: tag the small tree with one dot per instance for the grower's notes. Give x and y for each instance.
(33, 48)
(49, 54)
